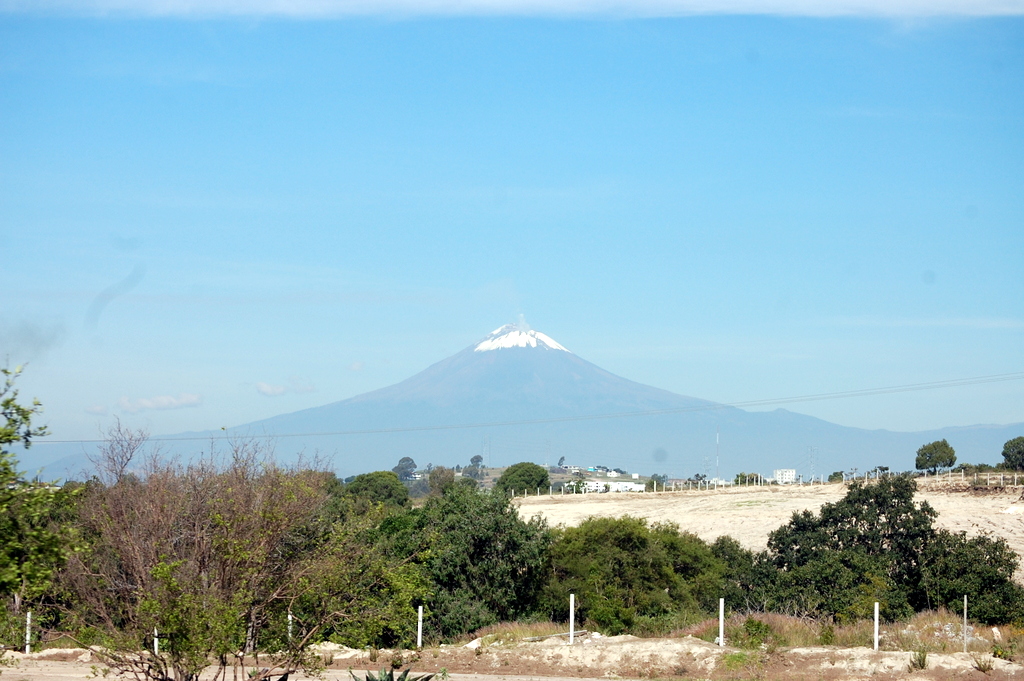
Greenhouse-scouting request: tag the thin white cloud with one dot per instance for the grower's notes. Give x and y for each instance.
(182, 401)
(356, 366)
(96, 410)
(295, 384)
(270, 390)
(315, 9)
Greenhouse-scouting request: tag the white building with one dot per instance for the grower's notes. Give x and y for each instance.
(626, 486)
(785, 476)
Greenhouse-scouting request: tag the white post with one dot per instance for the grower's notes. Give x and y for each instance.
(572, 618)
(876, 626)
(551, 490)
(965, 623)
(28, 632)
(419, 628)
(721, 622)
(156, 642)
(289, 626)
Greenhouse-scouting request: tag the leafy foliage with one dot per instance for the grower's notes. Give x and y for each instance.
(440, 479)
(981, 568)
(935, 455)
(32, 544)
(621, 570)
(522, 476)
(405, 468)
(1013, 454)
(382, 487)
(656, 479)
(876, 544)
(866, 547)
(215, 557)
(485, 563)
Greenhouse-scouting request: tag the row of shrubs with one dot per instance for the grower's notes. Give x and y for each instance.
(218, 557)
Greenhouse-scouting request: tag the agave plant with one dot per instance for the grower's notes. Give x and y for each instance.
(389, 675)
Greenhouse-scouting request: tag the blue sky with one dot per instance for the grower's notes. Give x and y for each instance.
(206, 220)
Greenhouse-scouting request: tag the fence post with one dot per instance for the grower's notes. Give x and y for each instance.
(572, 618)
(721, 622)
(876, 626)
(156, 642)
(965, 623)
(289, 626)
(419, 627)
(28, 632)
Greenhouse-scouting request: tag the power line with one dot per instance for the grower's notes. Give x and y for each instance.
(816, 397)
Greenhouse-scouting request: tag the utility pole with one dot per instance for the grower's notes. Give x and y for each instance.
(718, 474)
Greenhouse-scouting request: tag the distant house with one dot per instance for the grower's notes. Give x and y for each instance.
(626, 486)
(785, 476)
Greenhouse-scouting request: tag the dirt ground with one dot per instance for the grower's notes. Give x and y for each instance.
(749, 514)
(591, 657)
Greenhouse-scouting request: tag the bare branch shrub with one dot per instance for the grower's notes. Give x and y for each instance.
(213, 557)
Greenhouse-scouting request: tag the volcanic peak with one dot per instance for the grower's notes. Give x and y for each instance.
(517, 336)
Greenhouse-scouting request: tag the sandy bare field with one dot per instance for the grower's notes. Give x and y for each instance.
(749, 513)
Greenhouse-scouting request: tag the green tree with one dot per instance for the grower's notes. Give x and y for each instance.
(1013, 454)
(866, 546)
(217, 557)
(381, 487)
(486, 564)
(405, 468)
(32, 545)
(622, 570)
(737, 572)
(440, 479)
(836, 476)
(981, 568)
(656, 479)
(935, 455)
(522, 476)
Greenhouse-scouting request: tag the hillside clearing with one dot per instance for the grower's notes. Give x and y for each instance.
(749, 514)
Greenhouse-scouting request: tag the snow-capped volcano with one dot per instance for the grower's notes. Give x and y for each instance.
(528, 401)
(516, 336)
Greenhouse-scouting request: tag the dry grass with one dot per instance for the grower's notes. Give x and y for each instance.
(933, 632)
(514, 632)
(936, 631)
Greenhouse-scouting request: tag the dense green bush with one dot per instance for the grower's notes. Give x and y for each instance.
(381, 487)
(981, 568)
(876, 544)
(486, 565)
(1013, 454)
(622, 570)
(523, 476)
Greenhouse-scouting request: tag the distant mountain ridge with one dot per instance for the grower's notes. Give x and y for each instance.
(517, 374)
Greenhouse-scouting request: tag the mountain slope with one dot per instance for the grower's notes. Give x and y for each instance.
(475, 401)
